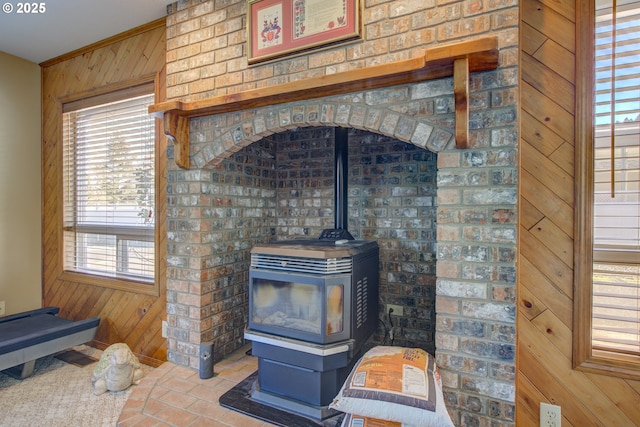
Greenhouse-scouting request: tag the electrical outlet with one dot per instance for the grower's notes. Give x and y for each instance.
(550, 415)
(164, 328)
(1, 308)
(398, 310)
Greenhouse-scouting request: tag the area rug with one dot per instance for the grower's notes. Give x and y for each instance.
(239, 399)
(59, 394)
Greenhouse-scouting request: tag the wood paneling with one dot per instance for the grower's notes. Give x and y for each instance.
(545, 267)
(129, 317)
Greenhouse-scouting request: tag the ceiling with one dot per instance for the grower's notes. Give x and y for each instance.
(67, 25)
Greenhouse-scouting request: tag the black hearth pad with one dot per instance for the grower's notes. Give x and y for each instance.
(239, 399)
(76, 358)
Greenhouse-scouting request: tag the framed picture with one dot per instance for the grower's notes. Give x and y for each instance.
(278, 28)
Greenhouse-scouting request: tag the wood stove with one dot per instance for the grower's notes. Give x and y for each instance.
(312, 306)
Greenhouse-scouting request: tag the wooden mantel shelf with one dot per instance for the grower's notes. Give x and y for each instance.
(456, 59)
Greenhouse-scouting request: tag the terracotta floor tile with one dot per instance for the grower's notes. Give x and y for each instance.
(225, 385)
(205, 393)
(176, 416)
(207, 422)
(158, 391)
(150, 422)
(210, 383)
(153, 406)
(182, 372)
(177, 399)
(207, 409)
(130, 413)
(178, 384)
(176, 396)
(138, 399)
(134, 405)
(132, 421)
(234, 418)
(236, 377)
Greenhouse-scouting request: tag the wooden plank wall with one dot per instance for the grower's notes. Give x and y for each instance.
(126, 317)
(545, 287)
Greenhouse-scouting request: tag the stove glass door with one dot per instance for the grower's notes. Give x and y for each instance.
(299, 306)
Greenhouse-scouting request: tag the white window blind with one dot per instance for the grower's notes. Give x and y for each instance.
(109, 186)
(616, 269)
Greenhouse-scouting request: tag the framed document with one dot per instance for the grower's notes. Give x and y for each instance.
(278, 28)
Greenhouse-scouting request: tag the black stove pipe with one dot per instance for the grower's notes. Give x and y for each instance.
(341, 177)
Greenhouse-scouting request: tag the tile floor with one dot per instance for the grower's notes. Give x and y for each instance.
(173, 395)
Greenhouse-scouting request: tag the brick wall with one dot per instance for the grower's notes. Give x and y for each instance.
(240, 191)
(282, 187)
(391, 199)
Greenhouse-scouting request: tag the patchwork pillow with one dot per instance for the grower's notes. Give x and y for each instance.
(395, 384)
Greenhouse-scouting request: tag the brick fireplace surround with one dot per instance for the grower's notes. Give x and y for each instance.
(445, 218)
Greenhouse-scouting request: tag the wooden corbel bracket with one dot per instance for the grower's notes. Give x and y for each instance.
(176, 127)
(456, 59)
(461, 98)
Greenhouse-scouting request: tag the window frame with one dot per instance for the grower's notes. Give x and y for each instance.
(585, 357)
(117, 283)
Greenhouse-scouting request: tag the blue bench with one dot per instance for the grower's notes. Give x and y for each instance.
(27, 336)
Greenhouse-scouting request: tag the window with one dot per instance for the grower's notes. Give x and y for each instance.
(608, 190)
(109, 186)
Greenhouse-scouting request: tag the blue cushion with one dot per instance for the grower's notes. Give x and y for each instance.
(30, 328)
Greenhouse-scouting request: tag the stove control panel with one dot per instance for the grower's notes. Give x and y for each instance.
(335, 234)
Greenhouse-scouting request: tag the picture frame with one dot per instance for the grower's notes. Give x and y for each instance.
(279, 28)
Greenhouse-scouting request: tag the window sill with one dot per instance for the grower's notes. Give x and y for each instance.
(611, 364)
(112, 283)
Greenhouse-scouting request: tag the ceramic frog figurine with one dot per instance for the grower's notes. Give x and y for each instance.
(117, 369)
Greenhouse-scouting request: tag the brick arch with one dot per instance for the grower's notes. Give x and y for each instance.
(425, 121)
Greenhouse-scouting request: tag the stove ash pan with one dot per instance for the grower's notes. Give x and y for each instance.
(315, 291)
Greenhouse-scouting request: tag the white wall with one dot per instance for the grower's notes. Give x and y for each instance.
(20, 188)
